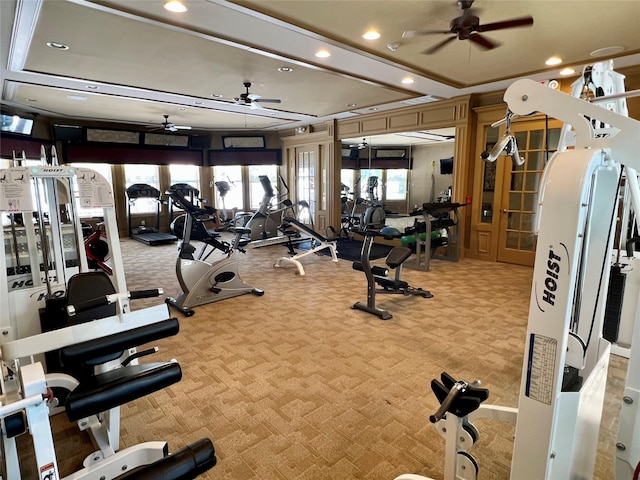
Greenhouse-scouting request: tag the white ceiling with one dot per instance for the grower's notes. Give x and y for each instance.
(134, 62)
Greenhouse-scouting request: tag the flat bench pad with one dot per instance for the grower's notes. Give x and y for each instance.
(117, 387)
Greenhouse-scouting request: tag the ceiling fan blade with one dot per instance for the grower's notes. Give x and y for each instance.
(483, 42)
(267, 100)
(182, 127)
(438, 46)
(415, 33)
(515, 22)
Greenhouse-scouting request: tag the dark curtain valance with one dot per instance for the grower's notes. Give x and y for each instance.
(18, 144)
(245, 156)
(377, 163)
(119, 154)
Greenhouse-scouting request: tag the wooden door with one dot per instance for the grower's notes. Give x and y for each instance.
(520, 185)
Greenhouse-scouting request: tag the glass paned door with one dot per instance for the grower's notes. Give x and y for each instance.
(520, 191)
(306, 184)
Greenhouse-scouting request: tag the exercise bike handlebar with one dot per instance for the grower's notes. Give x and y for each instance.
(112, 298)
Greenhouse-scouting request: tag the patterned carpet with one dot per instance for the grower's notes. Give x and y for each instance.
(297, 385)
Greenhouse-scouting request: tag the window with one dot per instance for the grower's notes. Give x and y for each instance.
(148, 174)
(396, 184)
(103, 169)
(256, 192)
(233, 198)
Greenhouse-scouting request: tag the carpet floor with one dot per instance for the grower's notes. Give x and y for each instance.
(295, 384)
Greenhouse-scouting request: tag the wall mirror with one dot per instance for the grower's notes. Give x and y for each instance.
(411, 168)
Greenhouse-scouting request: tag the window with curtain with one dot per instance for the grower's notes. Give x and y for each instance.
(148, 174)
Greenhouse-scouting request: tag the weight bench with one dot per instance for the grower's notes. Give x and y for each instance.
(318, 243)
(377, 275)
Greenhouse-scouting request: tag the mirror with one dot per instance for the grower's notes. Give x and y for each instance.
(412, 168)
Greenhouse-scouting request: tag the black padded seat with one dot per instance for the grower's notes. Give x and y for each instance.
(396, 256)
(117, 387)
(186, 463)
(391, 284)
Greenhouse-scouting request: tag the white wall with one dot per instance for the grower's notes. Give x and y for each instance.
(426, 163)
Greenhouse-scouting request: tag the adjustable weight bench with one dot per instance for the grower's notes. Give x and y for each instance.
(377, 275)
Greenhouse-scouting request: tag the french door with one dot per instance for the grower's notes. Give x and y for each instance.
(520, 185)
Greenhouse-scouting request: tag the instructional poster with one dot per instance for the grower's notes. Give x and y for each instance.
(95, 191)
(15, 190)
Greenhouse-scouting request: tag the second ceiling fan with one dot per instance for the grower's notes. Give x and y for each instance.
(468, 27)
(252, 99)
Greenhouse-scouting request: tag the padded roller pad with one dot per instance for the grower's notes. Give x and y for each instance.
(117, 387)
(185, 464)
(99, 350)
(391, 283)
(375, 269)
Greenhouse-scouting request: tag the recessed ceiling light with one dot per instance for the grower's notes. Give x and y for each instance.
(285, 69)
(371, 35)
(407, 80)
(78, 98)
(182, 109)
(323, 54)
(553, 61)
(216, 95)
(199, 102)
(57, 45)
(607, 51)
(31, 100)
(373, 109)
(567, 71)
(93, 87)
(351, 105)
(175, 6)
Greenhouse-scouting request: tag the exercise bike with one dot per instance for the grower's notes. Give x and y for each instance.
(203, 282)
(377, 275)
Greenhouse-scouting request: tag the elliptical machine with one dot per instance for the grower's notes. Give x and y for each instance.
(374, 217)
(203, 282)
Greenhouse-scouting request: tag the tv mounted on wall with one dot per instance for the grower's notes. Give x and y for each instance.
(446, 166)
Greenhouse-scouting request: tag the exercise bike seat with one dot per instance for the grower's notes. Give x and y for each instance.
(397, 256)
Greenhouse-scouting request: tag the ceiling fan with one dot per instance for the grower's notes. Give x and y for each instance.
(252, 99)
(167, 126)
(360, 146)
(468, 27)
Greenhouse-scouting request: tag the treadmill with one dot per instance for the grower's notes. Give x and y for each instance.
(144, 233)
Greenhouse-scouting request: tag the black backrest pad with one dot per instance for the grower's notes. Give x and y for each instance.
(397, 255)
(89, 286)
(100, 347)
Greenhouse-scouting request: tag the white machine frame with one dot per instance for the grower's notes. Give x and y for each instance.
(556, 430)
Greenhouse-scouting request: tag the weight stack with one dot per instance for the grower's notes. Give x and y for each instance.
(613, 308)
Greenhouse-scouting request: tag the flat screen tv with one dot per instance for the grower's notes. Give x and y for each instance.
(446, 166)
